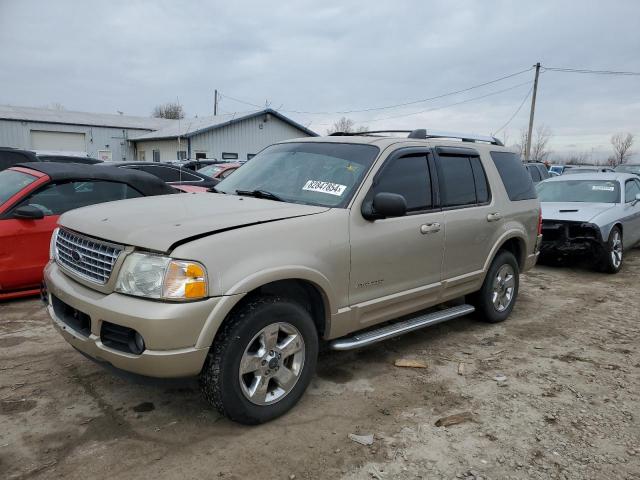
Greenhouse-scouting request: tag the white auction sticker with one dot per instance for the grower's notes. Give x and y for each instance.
(325, 187)
(603, 188)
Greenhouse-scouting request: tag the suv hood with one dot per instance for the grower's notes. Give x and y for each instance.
(573, 211)
(157, 223)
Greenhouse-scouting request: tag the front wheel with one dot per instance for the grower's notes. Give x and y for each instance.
(613, 251)
(261, 361)
(497, 297)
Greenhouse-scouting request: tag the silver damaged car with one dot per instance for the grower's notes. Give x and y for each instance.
(590, 214)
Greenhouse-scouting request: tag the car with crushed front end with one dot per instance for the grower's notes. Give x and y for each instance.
(346, 239)
(590, 215)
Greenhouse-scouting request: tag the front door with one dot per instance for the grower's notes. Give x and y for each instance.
(396, 262)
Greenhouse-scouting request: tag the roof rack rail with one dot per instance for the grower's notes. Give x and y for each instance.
(424, 134)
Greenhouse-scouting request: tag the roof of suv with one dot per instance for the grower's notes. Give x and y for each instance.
(385, 141)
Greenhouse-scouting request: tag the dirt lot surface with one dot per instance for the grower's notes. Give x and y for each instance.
(568, 408)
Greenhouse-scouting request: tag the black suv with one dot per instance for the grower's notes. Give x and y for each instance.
(538, 171)
(12, 156)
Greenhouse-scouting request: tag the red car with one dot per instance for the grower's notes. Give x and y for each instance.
(34, 195)
(219, 171)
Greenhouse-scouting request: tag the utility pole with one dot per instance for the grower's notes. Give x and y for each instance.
(527, 151)
(215, 103)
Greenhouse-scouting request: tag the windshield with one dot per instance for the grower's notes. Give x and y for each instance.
(596, 191)
(628, 169)
(210, 170)
(11, 182)
(324, 174)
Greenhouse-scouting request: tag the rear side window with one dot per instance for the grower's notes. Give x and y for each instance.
(515, 177)
(544, 173)
(407, 176)
(534, 172)
(462, 181)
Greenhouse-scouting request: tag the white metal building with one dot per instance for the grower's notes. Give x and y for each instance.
(128, 138)
(97, 135)
(223, 137)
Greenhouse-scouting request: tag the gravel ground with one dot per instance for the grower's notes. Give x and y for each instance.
(568, 407)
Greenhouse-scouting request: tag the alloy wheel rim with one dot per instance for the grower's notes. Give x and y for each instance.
(271, 363)
(616, 250)
(504, 285)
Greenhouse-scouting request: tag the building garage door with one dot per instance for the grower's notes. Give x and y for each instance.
(58, 141)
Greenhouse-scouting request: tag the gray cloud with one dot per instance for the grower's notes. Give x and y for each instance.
(131, 55)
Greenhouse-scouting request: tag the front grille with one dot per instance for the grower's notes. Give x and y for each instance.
(86, 257)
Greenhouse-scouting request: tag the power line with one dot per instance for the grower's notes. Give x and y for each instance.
(514, 113)
(587, 71)
(443, 106)
(387, 107)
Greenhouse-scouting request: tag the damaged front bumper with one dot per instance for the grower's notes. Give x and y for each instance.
(565, 238)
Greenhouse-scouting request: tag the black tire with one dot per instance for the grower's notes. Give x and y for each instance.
(607, 262)
(483, 298)
(220, 379)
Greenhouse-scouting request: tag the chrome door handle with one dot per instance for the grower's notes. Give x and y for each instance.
(430, 228)
(494, 217)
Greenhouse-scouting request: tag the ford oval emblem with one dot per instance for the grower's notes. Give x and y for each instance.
(76, 256)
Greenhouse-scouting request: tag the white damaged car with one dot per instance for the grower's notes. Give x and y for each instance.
(596, 215)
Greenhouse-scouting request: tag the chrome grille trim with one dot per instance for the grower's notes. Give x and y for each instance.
(94, 258)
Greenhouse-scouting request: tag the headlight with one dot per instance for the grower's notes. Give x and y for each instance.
(52, 244)
(155, 276)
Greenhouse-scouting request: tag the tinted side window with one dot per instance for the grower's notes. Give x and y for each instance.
(457, 184)
(482, 185)
(631, 189)
(544, 173)
(535, 174)
(515, 177)
(407, 176)
(57, 198)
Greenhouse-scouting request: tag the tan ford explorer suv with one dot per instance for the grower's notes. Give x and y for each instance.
(326, 239)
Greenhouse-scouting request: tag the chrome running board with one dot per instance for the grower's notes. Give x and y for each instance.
(395, 329)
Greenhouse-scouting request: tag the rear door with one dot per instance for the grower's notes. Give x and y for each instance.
(470, 216)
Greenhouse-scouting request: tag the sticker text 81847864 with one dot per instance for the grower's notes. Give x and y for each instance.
(325, 187)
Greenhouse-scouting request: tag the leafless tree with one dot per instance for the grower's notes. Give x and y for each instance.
(621, 148)
(172, 110)
(345, 125)
(539, 144)
(577, 158)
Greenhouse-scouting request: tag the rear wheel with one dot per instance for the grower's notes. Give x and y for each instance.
(497, 297)
(261, 361)
(613, 252)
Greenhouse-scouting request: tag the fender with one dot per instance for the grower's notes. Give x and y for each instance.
(508, 235)
(238, 291)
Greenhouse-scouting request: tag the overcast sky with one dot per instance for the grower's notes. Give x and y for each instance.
(105, 56)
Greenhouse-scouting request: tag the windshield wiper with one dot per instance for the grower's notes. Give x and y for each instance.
(259, 194)
(215, 190)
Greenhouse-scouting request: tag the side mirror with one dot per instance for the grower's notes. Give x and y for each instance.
(637, 198)
(28, 212)
(385, 205)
